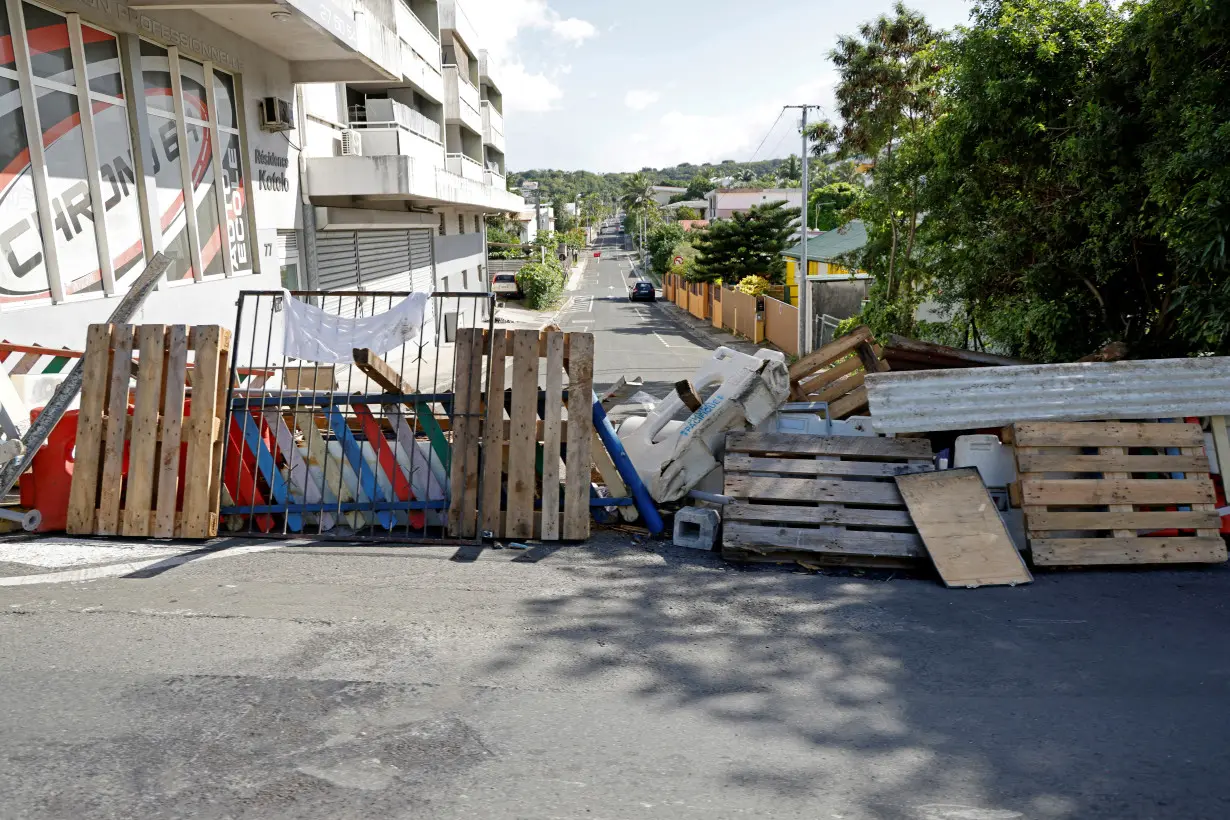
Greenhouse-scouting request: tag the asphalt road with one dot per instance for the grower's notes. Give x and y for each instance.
(606, 681)
(630, 338)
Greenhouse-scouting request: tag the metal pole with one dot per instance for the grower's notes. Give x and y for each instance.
(804, 343)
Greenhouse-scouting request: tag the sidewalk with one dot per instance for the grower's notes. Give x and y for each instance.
(705, 330)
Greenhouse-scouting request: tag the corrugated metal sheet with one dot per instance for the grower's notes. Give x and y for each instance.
(933, 400)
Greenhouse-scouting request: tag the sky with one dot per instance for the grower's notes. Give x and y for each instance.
(618, 85)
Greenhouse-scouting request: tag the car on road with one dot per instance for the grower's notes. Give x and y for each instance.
(643, 290)
(505, 284)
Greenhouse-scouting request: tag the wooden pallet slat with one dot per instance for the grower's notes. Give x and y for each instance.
(110, 490)
(143, 447)
(83, 492)
(521, 444)
(1110, 515)
(494, 435)
(553, 408)
(580, 434)
(199, 516)
(175, 367)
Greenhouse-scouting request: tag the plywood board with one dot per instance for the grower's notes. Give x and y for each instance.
(961, 529)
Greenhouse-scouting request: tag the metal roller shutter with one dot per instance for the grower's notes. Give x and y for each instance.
(337, 260)
(384, 260)
(421, 276)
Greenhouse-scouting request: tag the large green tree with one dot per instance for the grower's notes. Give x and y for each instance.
(747, 244)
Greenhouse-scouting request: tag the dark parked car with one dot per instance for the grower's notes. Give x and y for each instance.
(643, 290)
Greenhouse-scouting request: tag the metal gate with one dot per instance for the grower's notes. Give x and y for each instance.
(357, 450)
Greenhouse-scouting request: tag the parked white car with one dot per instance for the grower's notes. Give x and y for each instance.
(505, 284)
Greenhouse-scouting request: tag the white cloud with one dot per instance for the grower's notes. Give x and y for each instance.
(639, 100)
(574, 30)
(499, 22)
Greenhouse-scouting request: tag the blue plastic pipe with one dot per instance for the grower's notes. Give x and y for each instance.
(623, 464)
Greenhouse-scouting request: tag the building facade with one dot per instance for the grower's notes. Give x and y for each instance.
(725, 202)
(223, 97)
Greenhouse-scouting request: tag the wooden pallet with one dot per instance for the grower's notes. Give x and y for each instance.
(526, 439)
(819, 499)
(106, 499)
(1107, 493)
(835, 373)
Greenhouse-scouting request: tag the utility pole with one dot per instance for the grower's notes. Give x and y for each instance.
(805, 322)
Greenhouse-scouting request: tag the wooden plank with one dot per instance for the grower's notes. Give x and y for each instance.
(817, 560)
(464, 349)
(1054, 552)
(831, 352)
(175, 369)
(849, 404)
(218, 436)
(303, 485)
(143, 447)
(195, 520)
(83, 492)
(111, 486)
(337, 476)
(1040, 519)
(519, 522)
(1221, 446)
(390, 381)
(1043, 462)
(1107, 434)
(825, 378)
(822, 539)
(25, 364)
(473, 407)
(880, 494)
(1210, 530)
(871, 362)
(816, 514)
(1074, 491)
(866, 446)
(493, 436)
(553, 410)
(580, 433)
(839, 388)
(610, 477)
(1116, 476)
(741, 463)
(961, 529)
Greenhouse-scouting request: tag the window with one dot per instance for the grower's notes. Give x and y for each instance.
(442, 224)
(478, 225)
(461, 223)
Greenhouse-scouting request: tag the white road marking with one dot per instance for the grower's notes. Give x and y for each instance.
(115, 570)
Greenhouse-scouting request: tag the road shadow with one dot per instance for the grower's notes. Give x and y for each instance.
(1080, 696)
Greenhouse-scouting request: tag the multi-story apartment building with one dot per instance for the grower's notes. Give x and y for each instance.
(400, 173)
(239, 112)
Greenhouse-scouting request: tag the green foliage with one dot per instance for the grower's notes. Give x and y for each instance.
(687, 212)
(830, 206)
(753, 285)
(542, 283)
(749, 243)
(661, 244)
(698, 187)
(791, 169)
(502, 245)
(574, 239)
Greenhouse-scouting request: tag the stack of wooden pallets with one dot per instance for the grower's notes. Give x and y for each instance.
(825, 500)
(835, 373)
(1117, 493)
(151, 467)
(536, 446)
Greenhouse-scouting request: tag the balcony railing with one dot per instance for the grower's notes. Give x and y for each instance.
(392, 114)
(466, 166)
(493, 120)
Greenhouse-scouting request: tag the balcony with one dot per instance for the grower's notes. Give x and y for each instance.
(415, 33)
(461, 100)
(465, 166)
(494, 177)
(389, 128)
(488, 70)
(453, 18)
(321, 39)
(421, 74)
(493, 127)
(407, 178)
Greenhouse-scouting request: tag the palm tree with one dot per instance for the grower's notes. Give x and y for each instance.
(637, 192)
(821, 136)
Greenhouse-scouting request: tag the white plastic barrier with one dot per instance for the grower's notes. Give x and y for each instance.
(672, 457)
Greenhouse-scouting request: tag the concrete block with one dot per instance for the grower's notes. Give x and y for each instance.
(696, 528)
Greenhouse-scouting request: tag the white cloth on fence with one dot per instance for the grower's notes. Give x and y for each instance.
(315, 335)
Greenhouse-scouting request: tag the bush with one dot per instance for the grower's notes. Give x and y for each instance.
(542, 283)
(753, 285)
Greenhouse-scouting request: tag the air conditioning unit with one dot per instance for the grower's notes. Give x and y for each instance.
(276, 115)
(352, 143)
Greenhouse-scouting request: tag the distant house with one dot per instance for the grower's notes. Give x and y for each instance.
(724, 203)
(700, 205)
(662, 193)
(835, 291)
(823, 249)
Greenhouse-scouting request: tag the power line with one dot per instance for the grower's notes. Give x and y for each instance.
(768, 133)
